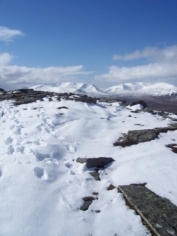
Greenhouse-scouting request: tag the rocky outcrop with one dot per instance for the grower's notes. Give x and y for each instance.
(24, 96)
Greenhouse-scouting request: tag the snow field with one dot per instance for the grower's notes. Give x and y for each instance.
(42, 185)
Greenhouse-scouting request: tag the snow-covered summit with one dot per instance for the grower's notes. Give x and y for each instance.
(127, 87)
(130, 89)
(158, 89)
(70, 87)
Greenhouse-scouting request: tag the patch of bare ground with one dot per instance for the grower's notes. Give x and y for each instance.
(155, 103)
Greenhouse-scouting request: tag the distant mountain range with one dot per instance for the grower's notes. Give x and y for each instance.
(138, 89)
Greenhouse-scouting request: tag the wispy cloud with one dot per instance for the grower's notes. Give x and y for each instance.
(15, 76)
(154, 53)
(7, 34)
(162, 65)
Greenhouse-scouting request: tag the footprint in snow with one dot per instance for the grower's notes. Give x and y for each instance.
(39, 172)
(10, 149)
(0, 173)
(8, 141)
(71, 148)
(69, 166)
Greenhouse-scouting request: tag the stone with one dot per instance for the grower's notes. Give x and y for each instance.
(99, 162)
(158, 213)
(62, 107)
(95, 193)
(87, 202)
(111, 187)
(81, 160)
(95, 175)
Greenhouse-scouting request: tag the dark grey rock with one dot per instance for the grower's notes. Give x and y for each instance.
(2, 90)
(159, 214)
(99, 162)
(87, 202)
(62, 107)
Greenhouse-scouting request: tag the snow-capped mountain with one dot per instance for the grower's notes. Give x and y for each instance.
(138, 89)
(70, 87)
(158, 89)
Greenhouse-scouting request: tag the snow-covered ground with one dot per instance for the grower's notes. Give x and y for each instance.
(42, 185)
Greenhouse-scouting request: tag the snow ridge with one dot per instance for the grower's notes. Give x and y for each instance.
(131, 89)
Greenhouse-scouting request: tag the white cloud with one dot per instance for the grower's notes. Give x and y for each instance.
(7, 34)
(162, 65)
(167, 54)
(5, 58)
(15, 76)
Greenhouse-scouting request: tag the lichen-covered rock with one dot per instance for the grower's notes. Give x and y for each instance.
(81, 160)
(137, 136)
(141, 136)
(159, 214)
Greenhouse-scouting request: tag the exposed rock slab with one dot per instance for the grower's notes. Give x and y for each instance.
(159, 214)
(99, 162)
(137, 136)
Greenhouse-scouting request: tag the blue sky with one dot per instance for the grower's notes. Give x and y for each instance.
(103, 42)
